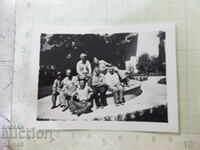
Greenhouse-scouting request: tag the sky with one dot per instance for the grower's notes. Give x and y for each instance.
(148, 42)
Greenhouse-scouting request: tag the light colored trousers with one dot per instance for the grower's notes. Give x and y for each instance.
(117, 93)
(65, 96)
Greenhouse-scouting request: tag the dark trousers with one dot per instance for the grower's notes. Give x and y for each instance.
(79, 107)
(100, 95)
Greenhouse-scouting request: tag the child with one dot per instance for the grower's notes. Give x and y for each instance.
(56, 89)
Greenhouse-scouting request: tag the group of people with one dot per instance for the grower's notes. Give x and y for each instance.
(77, 93)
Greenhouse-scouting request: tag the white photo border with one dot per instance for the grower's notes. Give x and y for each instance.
(171, 73)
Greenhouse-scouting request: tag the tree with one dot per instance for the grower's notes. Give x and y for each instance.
(154, 64)
(157, 66)
(143, 63)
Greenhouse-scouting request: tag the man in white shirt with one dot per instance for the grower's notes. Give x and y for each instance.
(114, 85)
(83, 66)
(69, 84)
(81, 99)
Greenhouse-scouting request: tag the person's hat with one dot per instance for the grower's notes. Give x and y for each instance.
(81, 77)
(83, 55)
(59, 73)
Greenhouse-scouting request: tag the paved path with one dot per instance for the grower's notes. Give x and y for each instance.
(153, 95)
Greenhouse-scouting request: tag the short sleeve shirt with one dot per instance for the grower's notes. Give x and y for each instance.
(83, 94)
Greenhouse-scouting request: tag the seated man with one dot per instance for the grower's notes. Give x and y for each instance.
(83, 67)
(56, 89)
(103, 66)
(114, 85)
(69, 84)
(100, 88)
(81, 99)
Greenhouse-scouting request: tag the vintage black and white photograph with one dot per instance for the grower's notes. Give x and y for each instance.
(103, 77)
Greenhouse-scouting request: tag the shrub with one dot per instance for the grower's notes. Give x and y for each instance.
(162, 81)
(143, 64)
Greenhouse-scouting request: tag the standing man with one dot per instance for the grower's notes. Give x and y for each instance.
(81, 99)
(114, 85)
(83, 66)
(100, 88)
(69, 84)
(56, 89)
